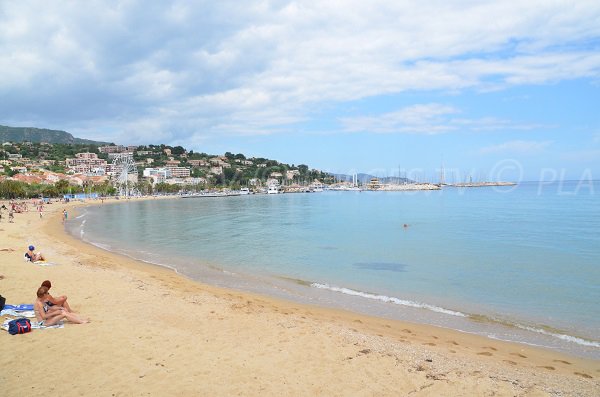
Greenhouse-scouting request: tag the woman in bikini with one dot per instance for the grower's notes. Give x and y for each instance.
(58, 302)
(45, 316)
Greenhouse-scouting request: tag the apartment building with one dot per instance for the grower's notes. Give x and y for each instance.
(85, 163)
(179, 172)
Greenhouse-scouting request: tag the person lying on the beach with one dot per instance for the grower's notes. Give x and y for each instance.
(32, 256)
(58, 302)
(45, 316)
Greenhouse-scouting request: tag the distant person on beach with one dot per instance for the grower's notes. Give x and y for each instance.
(11, 216)
(45, 316)
(58, 302)
(32, 256)
(64, 216)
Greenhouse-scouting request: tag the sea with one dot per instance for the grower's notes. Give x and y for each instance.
(516, 263)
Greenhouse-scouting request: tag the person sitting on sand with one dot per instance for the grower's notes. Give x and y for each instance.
(46, 317)
(58, 302)
(32, 256)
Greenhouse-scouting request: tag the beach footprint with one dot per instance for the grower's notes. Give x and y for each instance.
(518, 355)
(562, 362)
(488, 354)
(583, 375)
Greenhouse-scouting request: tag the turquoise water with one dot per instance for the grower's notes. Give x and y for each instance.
(523, 261)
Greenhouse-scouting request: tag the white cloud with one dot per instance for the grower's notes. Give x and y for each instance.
(215, 67)
(517, 147)
(426, 119)
(429, 119)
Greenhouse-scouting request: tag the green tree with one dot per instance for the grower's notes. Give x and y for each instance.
(12, 189)
(178, 150)
(62, 186)
(303, 169)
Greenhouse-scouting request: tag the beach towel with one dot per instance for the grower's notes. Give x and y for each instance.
(23, 307)
(39, 263)
(44, 263)
(18, 313)
(34, 325)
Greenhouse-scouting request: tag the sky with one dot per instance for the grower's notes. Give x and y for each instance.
(495, 90)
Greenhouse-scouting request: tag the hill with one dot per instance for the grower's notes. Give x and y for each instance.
(29, 134)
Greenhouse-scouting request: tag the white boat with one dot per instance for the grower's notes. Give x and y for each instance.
(317, 186)
(274, 189)
(244, 190)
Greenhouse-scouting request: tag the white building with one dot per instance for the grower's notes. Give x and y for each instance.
(111, 156)
(160, 173)
(216, 170)
(290, 174)
(179, 172)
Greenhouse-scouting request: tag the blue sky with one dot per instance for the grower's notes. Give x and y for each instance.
(496, 90)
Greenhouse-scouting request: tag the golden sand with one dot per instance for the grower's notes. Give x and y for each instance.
(154, 332)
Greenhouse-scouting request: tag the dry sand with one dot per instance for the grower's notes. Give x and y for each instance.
(154, 332)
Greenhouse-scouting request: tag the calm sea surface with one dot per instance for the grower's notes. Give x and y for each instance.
(519, 263)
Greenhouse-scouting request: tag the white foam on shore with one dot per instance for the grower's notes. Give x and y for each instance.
(437, 309)
(568, 338)
(389, 299)
(109, 248)
(101, 246)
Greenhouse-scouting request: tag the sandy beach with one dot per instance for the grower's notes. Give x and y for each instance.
(154, 332)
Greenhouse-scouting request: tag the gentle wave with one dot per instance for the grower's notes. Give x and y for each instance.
(109, 248)
(568, 338)
(105, 247)
(388, 299)
(437, 309)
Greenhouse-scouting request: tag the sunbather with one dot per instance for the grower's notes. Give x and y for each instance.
(32, 256)
(58, 302)
(46, 317)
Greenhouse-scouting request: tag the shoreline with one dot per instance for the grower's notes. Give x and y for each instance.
(467, 318)
(295, 348)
